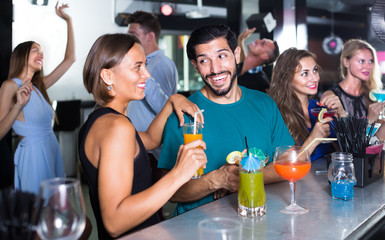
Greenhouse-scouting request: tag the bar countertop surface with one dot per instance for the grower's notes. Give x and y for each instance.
(327, 218)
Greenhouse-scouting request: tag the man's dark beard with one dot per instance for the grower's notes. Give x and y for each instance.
(220, 92)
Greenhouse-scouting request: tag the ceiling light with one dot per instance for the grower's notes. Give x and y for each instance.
(40, 2)
(166, 9)
(199, 13)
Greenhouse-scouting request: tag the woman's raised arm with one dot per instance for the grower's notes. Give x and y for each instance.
(69, 57)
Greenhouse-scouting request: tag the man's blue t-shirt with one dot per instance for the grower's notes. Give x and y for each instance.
(254, 116)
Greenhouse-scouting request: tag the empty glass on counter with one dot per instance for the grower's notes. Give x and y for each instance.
(220, 228)
(63, 216)
(341, 175)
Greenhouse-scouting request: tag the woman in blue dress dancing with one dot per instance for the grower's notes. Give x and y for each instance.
(25, 107)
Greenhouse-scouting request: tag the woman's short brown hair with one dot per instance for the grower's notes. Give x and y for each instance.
(107, 52)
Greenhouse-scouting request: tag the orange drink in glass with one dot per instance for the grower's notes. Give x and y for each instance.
(292, 163)
(193, 132)
(292, 171)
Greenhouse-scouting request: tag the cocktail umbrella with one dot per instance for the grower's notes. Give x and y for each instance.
(258, 153)
(251, 163)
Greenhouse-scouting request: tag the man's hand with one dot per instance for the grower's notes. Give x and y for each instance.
(227, 177)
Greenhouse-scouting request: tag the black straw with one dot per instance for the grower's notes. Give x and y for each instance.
(351, 134)
(191, 118)
(247, 146)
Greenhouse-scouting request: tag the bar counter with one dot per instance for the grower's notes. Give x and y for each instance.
(327, 218)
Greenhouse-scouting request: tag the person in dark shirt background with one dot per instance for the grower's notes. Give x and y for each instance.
(261, 52)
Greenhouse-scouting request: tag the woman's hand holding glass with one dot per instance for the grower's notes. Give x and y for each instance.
(191, 157)
(374, 111)
(321, 129)
(332, 102)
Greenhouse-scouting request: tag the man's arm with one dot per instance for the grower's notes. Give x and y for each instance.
(154, 95)
(162, 84)
(270, 175)
(241, 41)
(226, 177)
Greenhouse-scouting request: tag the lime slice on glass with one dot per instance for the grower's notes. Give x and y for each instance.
(321, 115)
(371, 96)
(234, 157)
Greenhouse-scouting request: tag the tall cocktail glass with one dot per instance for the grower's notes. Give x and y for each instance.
(292, 164)
(251, 194)
(193, 132)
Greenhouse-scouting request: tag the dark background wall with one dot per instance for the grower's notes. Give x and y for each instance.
(6, 161)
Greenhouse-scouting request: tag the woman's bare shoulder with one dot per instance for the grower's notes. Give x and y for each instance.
(113, 125)
(9, 84)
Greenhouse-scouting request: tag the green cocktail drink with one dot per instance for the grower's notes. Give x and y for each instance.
(251, 194)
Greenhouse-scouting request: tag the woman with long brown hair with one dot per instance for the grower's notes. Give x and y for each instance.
(295, 78)
(25, 107)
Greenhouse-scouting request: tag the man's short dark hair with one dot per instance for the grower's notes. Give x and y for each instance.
(148, 22)
(274, 54)
(208, 33)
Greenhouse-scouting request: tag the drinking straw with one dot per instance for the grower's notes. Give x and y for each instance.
(195, 120)
(247, 146)
(352, 135)
(188, 115)
(314, 140)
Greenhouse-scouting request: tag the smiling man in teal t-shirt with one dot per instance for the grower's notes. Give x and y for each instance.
(231, 113)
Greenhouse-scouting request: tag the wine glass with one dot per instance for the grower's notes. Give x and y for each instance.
(63, 214)
(292, 163)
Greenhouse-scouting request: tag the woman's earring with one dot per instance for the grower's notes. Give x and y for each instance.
(109, 87)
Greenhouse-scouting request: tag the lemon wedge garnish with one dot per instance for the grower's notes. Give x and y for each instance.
(371, 96)
(234, 157)
(321, 115)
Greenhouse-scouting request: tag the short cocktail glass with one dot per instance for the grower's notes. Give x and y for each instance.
(292, 164)
(380, 96)
(329, 112)
(193, 132)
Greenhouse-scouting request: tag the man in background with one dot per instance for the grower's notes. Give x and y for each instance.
(261, 53)
(164, 75)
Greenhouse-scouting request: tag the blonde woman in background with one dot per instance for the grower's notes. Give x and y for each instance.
(360, 74)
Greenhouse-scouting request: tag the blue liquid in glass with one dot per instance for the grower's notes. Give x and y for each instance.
(375, 128)
(380, 96)
(342, 190)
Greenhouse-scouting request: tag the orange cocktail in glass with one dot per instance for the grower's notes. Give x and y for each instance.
(193, 132)
(292, 171)
(292, 163)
